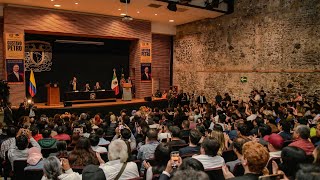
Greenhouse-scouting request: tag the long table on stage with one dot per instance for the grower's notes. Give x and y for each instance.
(89, 96)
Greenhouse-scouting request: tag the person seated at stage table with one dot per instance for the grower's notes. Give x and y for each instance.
(87, 87)
(97, 87)
(73, 84)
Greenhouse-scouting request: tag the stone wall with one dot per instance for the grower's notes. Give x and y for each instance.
(276, 44)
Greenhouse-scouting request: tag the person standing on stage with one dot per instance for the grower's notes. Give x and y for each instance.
(122, 81)
(87, 87)
(97, 87)
(73, 84)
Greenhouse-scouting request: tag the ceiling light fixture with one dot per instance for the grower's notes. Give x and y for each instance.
(156, 14)
(57, 5)
(52, 0)
(138, 12)
(123, 14)
(76, 3)
(119, 9)
(171, 20)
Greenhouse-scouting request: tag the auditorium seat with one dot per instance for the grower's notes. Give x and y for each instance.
(47, 151)
(35, 174)
(187, 155)
(177, 147)
(215, 173)
(229, 155)
(18, 169)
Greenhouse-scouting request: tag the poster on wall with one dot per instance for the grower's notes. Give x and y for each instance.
(145, 71)
(15, 71)
(145, 49)
(14, 45)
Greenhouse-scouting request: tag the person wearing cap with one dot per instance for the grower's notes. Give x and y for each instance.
(35, 159)
(93, 172)
(275, 145)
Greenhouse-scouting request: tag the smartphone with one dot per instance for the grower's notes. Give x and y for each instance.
(120, 127)
(175, 158)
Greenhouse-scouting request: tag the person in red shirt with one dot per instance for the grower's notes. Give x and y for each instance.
(62, 136)
(35, 133)
(301, 135)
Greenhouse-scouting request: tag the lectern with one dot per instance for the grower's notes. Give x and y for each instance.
(53, 98)
(127, 95)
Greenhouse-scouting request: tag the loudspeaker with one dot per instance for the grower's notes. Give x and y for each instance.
(148, 98)
(67, 104)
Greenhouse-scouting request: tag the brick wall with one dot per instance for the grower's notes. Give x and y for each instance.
(1, 50)
(161, 55)
(276, 44)
(64, 23)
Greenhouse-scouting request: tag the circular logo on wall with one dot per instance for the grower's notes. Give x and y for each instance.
(38, 56)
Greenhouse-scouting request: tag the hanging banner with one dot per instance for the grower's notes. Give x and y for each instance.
(146, 72)
(15, 71)
(14, 44)
(145, 50)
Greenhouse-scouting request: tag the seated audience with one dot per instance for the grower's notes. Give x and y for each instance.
(284, 128)
(47, 141)
(6, 144)
(208, 154)
(53, 169)
(255, 159)
(82, 154)
(164, 133)
(147, 151)
(126, 135)
(35, 133)
(118, 156)
(93, 172)
(301, 135)
(94, 141)
(275, 145)
(100, 134)
(62, 136)
(308, 172)
(175, 139)
(19, 150)
(237, 149)
(161, 157)
(193, 148)
(35, 159)
(185, 129)
(316, 155)
(61, 150)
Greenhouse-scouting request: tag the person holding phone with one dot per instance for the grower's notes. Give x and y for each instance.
(208, 154)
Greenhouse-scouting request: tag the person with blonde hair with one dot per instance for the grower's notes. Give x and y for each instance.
(220, 137)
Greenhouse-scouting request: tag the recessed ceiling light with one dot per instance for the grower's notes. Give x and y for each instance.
(57, 5)
(138, 12)
(156, 14)
(171, 20)
(119, 9)
(52, 0)
(123, 14)
(76, 3)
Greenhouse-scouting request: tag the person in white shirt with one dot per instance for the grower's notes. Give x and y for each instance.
(118, 155)
(94, 141)
(208, 154)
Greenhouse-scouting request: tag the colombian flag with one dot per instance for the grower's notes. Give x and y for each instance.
(32, 85)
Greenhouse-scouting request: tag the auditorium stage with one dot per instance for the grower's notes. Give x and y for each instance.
(103, 107)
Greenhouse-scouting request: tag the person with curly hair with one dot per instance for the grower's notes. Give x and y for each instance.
(83, 154)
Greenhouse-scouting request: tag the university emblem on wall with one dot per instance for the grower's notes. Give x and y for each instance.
(93, 96)
(38, 56)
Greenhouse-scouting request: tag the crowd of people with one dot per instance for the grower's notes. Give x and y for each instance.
(191, 139)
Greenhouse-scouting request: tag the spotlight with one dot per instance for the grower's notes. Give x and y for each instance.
(172, 6)
(125, 1)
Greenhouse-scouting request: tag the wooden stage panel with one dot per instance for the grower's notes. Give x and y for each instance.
(100, 104)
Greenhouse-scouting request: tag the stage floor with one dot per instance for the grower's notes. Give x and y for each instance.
(102, 107)
(98, 104)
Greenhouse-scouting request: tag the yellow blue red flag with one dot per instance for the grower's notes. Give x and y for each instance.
(32, 85)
